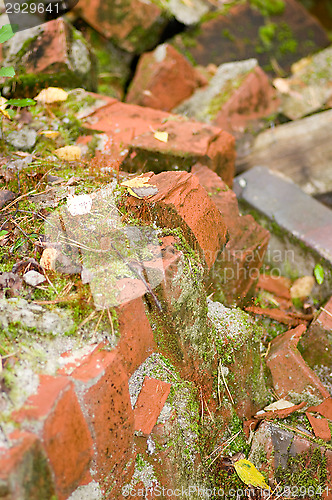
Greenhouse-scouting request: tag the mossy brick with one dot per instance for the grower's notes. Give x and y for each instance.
(289, 371)
(236, 268)
(24, 469)
(136, 336)
(53, 53)
(238, 35)
(163, 79)
(102, 385)
(55, 415)
(181, 202)
(134, 25)
(300, 226)
(316, 343)
(130, 138)
(237, 340)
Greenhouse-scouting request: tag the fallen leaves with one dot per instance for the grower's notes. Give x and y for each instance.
(302, 287)
(248, 473)
(69, 153)
(161, 136)
(50, 95)
(139, 187)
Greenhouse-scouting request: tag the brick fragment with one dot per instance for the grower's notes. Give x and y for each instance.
(237, 266)
(149, 404)
(56, 414)
(163, 79)
(24, 469)
(288, 368)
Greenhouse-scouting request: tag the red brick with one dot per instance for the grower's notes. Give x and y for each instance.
(236, 269)
(182, 202)
(163, 79)
(254, 99)
(316, 343)
(136, 342)
(128, 128)
(63, 430)
(288, 368)
(103, 385)
(133, 26)
(150, 402)
(50, 53)
(24, 470)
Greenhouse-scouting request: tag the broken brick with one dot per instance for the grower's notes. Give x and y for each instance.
(163, 79)
(236, 269)
(63, 430)
(149, 404)
(289, 371)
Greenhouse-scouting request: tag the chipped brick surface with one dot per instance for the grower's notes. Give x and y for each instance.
(182, 202)
(316, 342)
(103, 388)
(136, 342)
(237, 267)
(149, 404)
(163, 79)
(62, 429)
(289, 371)
(130, 130)
(24, 470)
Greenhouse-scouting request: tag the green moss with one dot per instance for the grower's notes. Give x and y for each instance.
(306, 473)
(269, 7)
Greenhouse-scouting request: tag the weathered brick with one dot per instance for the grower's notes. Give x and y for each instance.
(163, 79)
(188, 142)
(102, 384)
(237, 266)
(149, 404)
(24, 469)
(289, 371)
(56, 415)
(182, 202)
(316, 343)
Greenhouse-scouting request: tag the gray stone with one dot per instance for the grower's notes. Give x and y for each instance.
(33, 278)
(23, 139)
(301, 228)
(187, 12)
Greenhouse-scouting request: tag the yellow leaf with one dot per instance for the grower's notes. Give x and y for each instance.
(51, 134)
(248, 473)
(3, 104)
(50, 95)
(140, 188)
(161, 136)
(69, 153)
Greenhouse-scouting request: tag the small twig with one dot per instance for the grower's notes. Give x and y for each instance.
(86, 320)
(326, 311)
(208, 409)
(98, 322)
(59, 300)
(264, 354)
(222, 448)
(225, 383)
(16, 200)
(111, 322)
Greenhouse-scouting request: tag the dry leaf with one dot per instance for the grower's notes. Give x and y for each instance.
(161, 136)
(50, 95)
(48, 258)
(281, 404)
(139, 187)
(50, 134)
(302, 287)
(3, 105)
(248, 473)
(69, 153)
